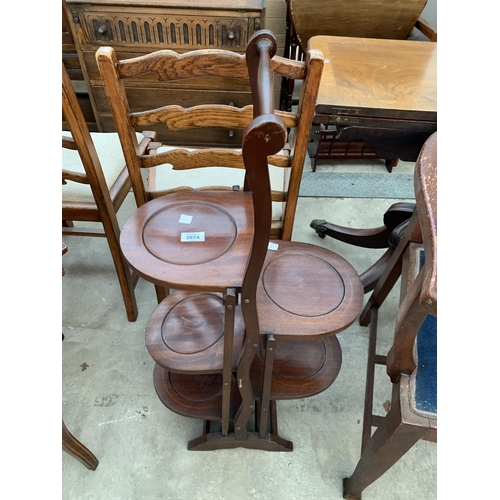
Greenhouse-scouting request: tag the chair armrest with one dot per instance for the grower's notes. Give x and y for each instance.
(426, 29)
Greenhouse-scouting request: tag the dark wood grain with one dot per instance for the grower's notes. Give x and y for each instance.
(77, 450)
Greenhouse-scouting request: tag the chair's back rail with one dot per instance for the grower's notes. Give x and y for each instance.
(170, 65)
(183, 159)
(206, 115)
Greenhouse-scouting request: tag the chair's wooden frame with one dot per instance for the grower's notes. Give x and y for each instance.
(401, 428)
(107, 201)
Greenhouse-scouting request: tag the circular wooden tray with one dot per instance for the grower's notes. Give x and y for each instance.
(306, 290)
(151, 239)
(195, 396)
(185, 333)
(301, 368)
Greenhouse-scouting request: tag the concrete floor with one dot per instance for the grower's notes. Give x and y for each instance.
(109, 402)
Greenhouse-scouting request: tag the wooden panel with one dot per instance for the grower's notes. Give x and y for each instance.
(247, 5)
(151, 79)
(374, 77)
(178, 28)
(162, 30)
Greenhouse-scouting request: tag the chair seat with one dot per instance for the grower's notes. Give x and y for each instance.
(110, 155)
(196, 240)
(423, 381)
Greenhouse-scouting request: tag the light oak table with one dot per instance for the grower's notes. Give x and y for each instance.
(381, 91)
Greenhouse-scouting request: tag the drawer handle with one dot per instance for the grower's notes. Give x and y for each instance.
(231, 134)
(102, 29)
(230, 35)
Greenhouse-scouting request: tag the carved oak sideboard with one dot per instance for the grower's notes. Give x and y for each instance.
(136, 27)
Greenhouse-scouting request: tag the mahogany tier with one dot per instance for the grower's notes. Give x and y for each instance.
(185, 333)
(301, 369)
(158, 254)
(196, 396)
(306, 290)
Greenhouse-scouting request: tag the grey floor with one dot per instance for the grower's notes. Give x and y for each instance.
(109, 402)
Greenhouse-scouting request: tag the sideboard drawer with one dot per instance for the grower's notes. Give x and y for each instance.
(137, 27)
(176, 31)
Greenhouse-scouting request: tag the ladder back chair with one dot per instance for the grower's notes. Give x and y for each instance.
(412, 360)
(95, 183)
(170, 168)
(250, 321)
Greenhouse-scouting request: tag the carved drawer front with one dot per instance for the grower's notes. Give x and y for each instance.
(168, 31)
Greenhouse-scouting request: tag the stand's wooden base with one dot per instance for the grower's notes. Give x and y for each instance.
(300, 369)
(216, 441)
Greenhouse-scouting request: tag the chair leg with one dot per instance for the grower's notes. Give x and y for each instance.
(123, 271)
(76, 449)
(389, 443)
(161, 293)
(390, 164)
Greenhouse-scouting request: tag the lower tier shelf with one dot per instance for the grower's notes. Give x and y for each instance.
(300, 369)
(195, 396)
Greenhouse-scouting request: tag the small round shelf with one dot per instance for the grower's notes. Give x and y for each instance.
(195, 396)
(301, 368)
(185, 333)
(195, 240)
(307, 291)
